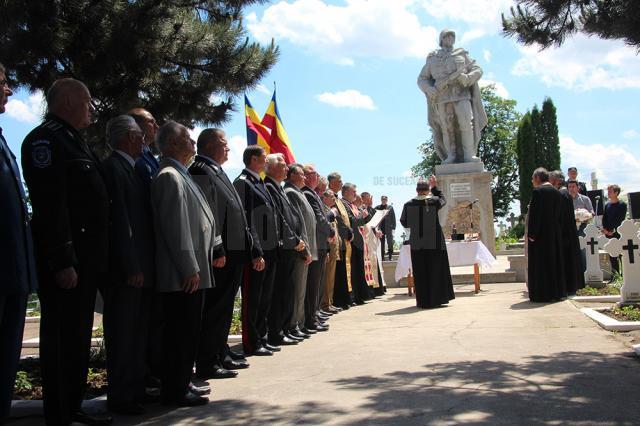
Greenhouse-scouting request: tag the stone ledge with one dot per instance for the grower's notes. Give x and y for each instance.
(456, 168)
(636, 349)
(596, 299)
(609, 323)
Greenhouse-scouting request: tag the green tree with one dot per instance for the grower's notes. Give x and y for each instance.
(497, 149)
(539, 156)
(550, 135)
(182, 60)
(526, 142)
(550, 22)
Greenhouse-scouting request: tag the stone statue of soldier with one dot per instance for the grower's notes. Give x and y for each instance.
(455, 112)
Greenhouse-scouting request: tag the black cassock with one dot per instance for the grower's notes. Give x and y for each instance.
(429, 259)
(573, 270)
(546, 250)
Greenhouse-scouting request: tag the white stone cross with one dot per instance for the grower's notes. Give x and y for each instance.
(512, 220)
(592, 241)
(627, 246)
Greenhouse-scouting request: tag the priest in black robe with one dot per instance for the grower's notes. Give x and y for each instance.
(429, 259)
(571, 251)
(546, 218)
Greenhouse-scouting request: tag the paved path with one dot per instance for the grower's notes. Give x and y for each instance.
(492, 358)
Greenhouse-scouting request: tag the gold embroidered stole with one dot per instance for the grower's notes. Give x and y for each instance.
(347, 256)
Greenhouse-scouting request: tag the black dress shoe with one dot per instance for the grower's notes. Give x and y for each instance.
(199, 390)
(230, 364)
(236, 356)
(307, 331)
(288, 341)
(126, 408)
(292, 337)
(272, 348)
(322, 327)
(326, 313)
(83, 417)
(261, 351)
(300, 334)
(216, 373)
(148, 399)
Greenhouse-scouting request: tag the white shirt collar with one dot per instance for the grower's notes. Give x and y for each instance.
(254, 174)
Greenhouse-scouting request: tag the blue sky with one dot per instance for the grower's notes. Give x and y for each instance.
(349, 101)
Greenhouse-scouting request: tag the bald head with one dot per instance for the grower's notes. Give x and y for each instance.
(70, 100)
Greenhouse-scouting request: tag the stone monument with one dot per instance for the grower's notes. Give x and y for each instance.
(627, 246)
(592, 241)
(449, 79)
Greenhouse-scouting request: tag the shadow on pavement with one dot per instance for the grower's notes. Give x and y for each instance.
(236, 412)
(566, 387)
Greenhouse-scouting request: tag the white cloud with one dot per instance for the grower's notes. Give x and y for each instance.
(237, 144)
(263, 89)
(357, 29)
(630, 134)
(581, 64)
(612, 163)
(30, 111)
(487, 55)
(501, 90)
(347, 99)
(482, 17)
(195, 132)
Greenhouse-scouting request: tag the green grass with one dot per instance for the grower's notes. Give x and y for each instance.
(236, 321)
(630, 313)
(608, 290)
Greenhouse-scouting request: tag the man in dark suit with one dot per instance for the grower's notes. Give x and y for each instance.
(387, 225)
(131, 269)
(70, 231)
(257, 286)
(186, 239)
(324, 235)
(16, 263)
(292, 244)
(213, 360)
(146, 165)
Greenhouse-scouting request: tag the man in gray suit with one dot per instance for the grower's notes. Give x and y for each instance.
(324, 234)
(293, 188)
(131, 269)
(214, 360)
(186, 236)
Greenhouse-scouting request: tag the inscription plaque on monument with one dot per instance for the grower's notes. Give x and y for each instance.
(460, 190)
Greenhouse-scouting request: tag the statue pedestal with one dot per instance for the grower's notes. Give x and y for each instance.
(462, 183)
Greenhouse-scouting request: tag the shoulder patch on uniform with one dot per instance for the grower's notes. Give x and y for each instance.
(41, 154)
(53, 125)
(243, 177)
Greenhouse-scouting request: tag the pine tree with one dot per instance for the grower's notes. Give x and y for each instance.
(184, 61)
(526, 160)
(550, 135)
(540, 155)
(550, 22)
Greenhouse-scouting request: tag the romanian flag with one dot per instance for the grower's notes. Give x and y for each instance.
(278, 141)
(257, 134)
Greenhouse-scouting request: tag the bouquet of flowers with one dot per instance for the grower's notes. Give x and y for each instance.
(582, 216)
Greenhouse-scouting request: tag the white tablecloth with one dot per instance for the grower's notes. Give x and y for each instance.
(461, 253)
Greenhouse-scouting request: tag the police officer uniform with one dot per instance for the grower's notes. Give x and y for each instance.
(70, 229)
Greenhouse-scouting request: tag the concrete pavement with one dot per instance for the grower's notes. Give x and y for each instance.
(492, 358)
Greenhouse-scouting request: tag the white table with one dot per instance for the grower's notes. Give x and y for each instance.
(460, 253)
